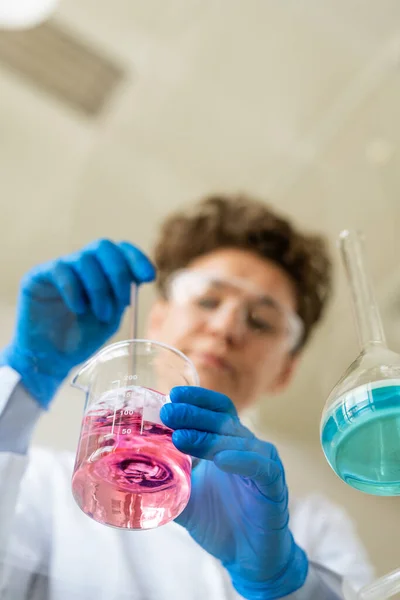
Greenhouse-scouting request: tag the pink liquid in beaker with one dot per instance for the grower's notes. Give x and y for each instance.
(128, 474)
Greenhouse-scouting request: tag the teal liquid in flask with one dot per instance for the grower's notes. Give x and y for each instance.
(360, 425)
(360, 438)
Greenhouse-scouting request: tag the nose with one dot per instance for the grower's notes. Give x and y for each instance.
(228, 323)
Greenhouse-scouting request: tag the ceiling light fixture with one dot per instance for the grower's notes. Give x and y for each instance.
(24, 14)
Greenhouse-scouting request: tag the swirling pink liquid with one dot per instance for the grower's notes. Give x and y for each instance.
(128, 474)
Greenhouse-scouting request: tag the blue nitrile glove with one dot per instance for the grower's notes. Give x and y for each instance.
(68, 308)
(238, 508)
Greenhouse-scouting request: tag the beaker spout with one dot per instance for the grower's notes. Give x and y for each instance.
(83, 378)
(368, 320)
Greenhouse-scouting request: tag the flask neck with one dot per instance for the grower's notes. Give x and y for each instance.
(366, 311)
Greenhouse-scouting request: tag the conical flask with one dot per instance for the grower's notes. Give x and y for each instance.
(360, 425)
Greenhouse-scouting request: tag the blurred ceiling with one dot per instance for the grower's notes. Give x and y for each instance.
(296, 102)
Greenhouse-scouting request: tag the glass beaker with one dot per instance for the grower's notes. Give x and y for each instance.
(360, 425)
(128, 474)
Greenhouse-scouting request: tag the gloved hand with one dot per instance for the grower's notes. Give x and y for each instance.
(68, 308)
(238, 508)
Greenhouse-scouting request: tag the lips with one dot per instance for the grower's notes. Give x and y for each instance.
(213, 361)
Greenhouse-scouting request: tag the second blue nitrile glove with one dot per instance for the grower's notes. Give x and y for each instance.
(68, 308)
(238, 508)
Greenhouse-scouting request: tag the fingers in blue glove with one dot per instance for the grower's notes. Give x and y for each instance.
(207, 426)
(267, 474)
(186, 416)
(122, 264)
(203, 444)
(99, 277)
(96, 285)
(141, 268)
(203, 398)
(69, 286)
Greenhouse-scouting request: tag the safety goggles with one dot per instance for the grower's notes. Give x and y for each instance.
(206, 293)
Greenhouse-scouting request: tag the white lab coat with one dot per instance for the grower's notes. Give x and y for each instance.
(55, 552)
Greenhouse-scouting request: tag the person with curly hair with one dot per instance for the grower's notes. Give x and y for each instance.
(240, 291)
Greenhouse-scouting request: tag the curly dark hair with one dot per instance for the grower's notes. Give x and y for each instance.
(241, 221)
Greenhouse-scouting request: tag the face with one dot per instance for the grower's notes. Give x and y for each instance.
(240, 356)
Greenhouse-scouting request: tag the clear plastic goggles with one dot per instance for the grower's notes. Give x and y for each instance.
(205, 293)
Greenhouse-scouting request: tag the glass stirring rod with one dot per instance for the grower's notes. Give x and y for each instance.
(134, 311)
